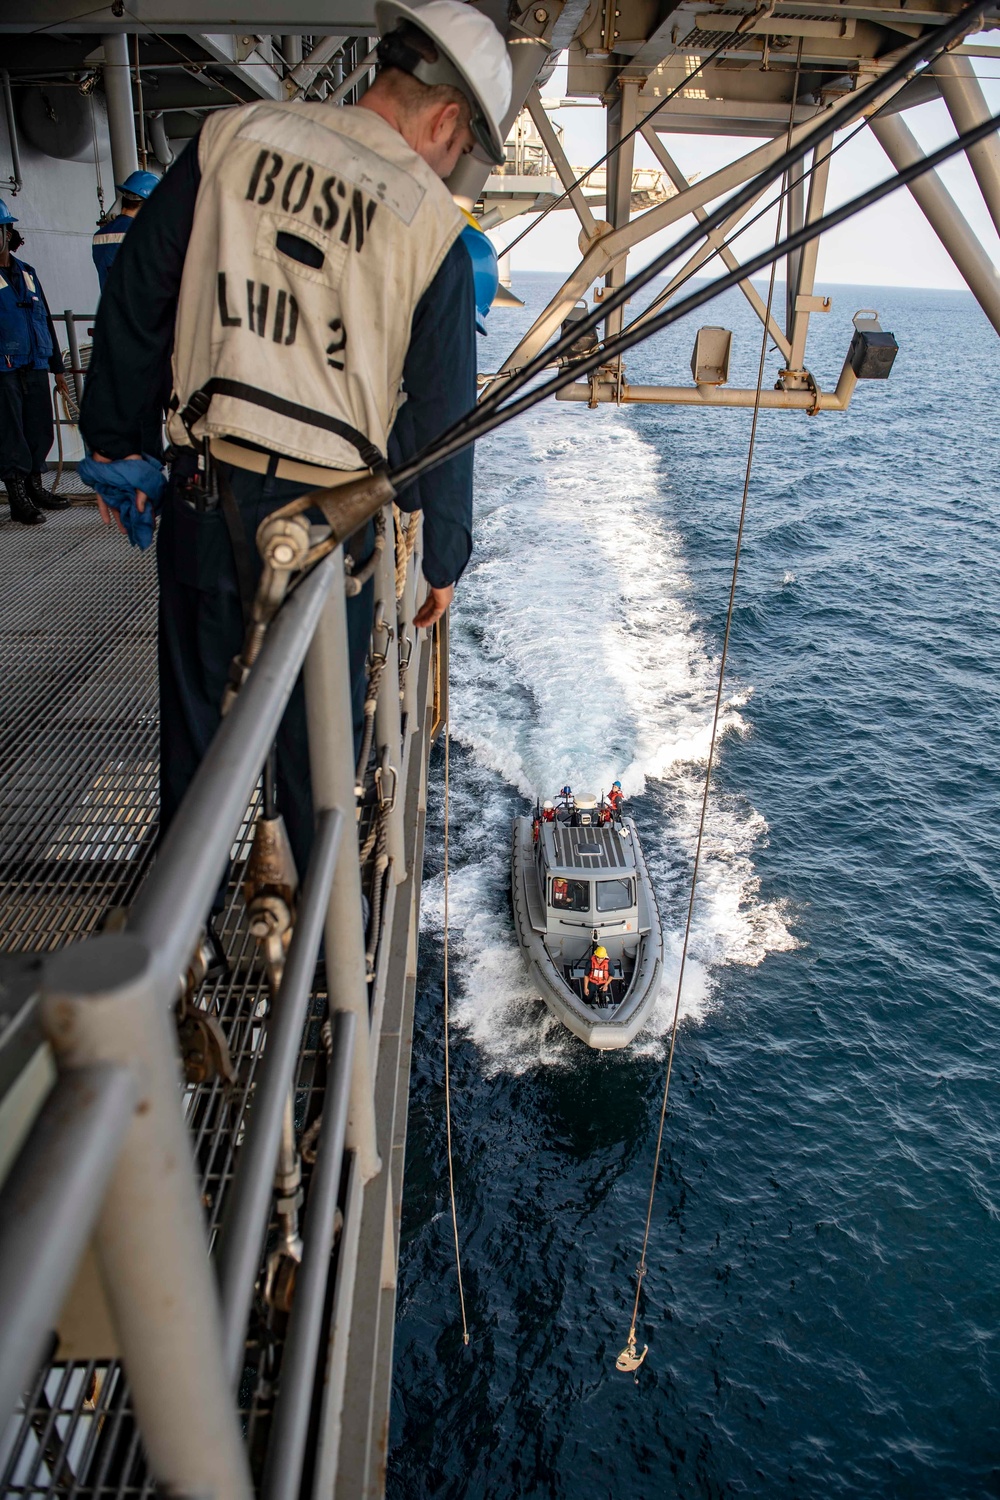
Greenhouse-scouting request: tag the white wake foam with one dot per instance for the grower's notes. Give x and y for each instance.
(576, 657)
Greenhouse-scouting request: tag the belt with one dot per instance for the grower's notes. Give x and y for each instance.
(287, 468)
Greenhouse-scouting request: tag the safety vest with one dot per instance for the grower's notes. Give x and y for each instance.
(316, 232)
(600, 970)
(25, 341)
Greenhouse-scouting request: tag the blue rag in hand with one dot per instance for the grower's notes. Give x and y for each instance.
(117, 482)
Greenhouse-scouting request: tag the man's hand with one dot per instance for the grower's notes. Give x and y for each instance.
(108, 512)
(433, 607)
(62, 387)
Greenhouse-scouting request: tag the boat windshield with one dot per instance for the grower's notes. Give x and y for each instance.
(614, 895)
(570, 895)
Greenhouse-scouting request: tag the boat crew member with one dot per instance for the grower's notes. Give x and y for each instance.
(548, 812)
(29, 353)
(599, 973)
(616, 797)
(109, 237)
(304, 264)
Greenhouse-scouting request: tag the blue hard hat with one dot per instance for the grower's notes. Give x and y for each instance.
(485, 270)
(6, 217)
(139, 184)
(617, 784)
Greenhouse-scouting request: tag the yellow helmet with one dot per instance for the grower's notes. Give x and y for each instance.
(600, 952)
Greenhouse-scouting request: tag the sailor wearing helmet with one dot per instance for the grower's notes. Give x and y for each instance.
(302, 264)
(29, 353)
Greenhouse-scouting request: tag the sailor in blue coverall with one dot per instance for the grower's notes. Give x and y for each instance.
(109, 238)
(200, 616)
(29, 352)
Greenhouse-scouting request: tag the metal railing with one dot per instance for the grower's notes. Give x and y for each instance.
(110, 1153)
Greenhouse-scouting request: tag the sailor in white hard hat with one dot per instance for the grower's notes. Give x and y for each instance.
(297, 270)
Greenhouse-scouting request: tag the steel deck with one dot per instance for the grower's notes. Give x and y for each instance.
(78, 813)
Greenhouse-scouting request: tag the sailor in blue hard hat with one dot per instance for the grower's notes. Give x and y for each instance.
(485, 267)
(29, 353)
(108, 240)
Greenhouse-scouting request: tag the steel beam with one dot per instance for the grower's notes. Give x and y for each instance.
(48, 1206)
(622, 119)
(716, 238)
(331, 761)
(794, 214)
(118, 94)
(808, 255)
(253, 69)
(967, 106)
(286, 1447)
(388, 731)
(559, 160)
(102, 1004)
(610, 248)
(303, 74)
(715, 395)
(943, 214)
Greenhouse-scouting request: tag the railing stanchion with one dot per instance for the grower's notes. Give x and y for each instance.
(73, 345)
(388, 734)
(101, 1005)
(331, 761)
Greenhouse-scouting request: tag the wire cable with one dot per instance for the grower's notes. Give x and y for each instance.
(727, 244)
(447, 1051)
(857, 103)
(479, 423)
(726, 43)
(628, 1354)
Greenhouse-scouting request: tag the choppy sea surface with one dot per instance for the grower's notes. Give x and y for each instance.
(822, 1304)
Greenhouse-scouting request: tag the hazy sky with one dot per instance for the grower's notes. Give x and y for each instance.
(890, 245)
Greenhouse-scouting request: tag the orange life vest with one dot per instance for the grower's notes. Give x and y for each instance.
(600, 970)
(615, 797)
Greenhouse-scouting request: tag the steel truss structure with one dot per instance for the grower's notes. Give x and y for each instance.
(142, 1340)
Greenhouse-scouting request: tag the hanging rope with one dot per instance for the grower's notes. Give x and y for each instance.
(630, 1359)
(447, 1054)
(97, 160)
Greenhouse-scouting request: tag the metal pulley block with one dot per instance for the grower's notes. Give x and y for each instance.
(270, 887)
(204, 1049)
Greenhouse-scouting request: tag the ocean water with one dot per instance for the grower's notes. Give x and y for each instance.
(822, 1299)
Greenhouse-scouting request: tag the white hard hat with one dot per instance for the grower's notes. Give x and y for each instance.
(474, 60)
(547, 804)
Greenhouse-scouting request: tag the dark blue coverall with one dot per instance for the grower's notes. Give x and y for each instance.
(107, 242)
(29, 352)
(200, 616)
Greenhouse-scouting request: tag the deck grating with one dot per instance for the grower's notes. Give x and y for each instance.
(78, 811)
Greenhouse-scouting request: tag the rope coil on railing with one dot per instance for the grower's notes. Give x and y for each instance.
(406, 540)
